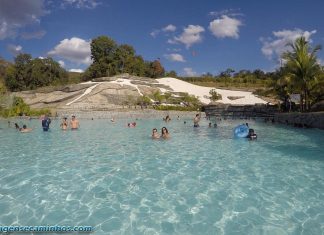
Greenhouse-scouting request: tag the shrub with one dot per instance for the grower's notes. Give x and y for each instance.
(214, 95)
(19, 107)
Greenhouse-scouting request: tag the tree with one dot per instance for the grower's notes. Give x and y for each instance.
(110, 59)
(28, 73)
(303, 68)
(103, 47)
(172, 74)
(155, 69)
(207, 75)
(123, 58)
(226, 74)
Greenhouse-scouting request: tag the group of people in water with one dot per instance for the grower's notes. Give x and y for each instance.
(164, 133)
(46, 121)
(73, 124)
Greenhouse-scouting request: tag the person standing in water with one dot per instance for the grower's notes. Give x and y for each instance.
(74, 123)
(64, 124)
(197, 120)
(45, 123)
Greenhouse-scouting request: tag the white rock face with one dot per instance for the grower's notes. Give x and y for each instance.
(107, 93)
(203, 92)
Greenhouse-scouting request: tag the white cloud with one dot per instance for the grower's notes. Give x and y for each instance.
(14, 49)
(175, 57)
(189, 36)
(154, 33)
(274, 47)
(169, 28)
(171, 41)
(228, 12)
(225, 27)
(189, 72)
(76, 50)
(166, 29)
(89, 4)
(76, 70)
(62, 63)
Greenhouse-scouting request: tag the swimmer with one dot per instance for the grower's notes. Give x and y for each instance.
(215, 125)
(209, 125)
(74, 123)
(24, 129)
(132, 124)
(167, 118)
(112, 120)
(155, 134)
(252, 135)
(64, 124)
(17, 126)
(197, 120)
(165, 133)
(178, 118)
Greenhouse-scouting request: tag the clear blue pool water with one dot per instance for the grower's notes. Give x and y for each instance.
(201, 181)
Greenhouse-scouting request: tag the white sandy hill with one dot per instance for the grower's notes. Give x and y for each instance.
(203, 92)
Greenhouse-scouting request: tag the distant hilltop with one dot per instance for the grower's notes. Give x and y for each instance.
(125, 90)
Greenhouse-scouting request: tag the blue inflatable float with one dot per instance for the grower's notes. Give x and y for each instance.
(241, 131)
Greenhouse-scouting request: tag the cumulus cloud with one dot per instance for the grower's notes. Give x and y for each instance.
(189, 72)
(89, 4)
(225, 27)
(14, 49)
(189, 36)
(175, 57)
(76, 70)
(169, 28)
(76, 50)
(273, 47)
(14, 15)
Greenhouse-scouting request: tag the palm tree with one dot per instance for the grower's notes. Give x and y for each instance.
(302, 66)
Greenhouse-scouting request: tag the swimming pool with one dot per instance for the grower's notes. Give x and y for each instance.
(201, 181)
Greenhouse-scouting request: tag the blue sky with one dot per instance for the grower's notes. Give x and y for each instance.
(190, 37)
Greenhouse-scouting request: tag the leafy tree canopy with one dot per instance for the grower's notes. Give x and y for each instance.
(29, 73)
(110, 59)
